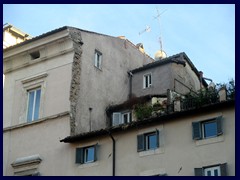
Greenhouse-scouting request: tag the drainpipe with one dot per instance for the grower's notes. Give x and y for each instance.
(113, 154)
(130, 74)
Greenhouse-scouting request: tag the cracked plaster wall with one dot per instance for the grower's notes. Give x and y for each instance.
(92, 89)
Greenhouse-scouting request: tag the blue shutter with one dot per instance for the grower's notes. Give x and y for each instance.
(157, 137)
(79, 155)
(197, 130)
(198, 171)
(223, 168)
(140, 143)
(219, 125)
(95, 152)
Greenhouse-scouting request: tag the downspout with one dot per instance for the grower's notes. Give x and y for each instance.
(130, 84)
(113, 154)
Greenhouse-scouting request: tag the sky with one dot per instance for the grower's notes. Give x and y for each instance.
(205, 32)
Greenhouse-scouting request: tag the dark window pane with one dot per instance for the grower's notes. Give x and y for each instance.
(210, 129)
(208, 173)
(215, 172)
(146, 81)
(125, 118)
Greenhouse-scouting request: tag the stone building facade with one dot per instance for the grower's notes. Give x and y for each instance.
(62, 89)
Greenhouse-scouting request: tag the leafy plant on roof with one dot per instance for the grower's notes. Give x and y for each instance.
(208, 96)
(143, 111)
(230, 88)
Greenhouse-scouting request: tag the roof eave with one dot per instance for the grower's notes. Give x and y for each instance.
(149, 121)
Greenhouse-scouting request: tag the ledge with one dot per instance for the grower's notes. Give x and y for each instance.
(36, 122)
(34, 159)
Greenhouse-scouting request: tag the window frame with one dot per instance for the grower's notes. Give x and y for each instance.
(147, 77)
(28, 84)
(211, 169)
(198, 128)
(147, 141)
(222, 170)
(121, 116)
(81, 154)
(34, 104)
(203, 123)
(85, 154)
(98, 59)
(143, 141)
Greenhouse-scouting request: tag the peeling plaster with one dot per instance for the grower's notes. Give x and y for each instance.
(75, 35)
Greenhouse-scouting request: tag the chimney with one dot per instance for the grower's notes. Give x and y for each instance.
(140, 47)
(201, 78)
(122, 37)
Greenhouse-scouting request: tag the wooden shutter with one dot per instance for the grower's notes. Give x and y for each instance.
(219, 125)
(140, 143)
(95, 152)
(197, 130)
(116, 119)
(223, 168)
(157, 137)
(198, 171)
(79, 155)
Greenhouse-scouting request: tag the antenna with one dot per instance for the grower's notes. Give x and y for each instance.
(158, 18)
(148, 29)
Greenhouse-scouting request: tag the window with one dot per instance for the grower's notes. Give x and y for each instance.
(217, 170)
(148, 141)
(213, 171)
(207, 129)
(147, 81)
(98, 60)
(33, 104)
(35, 55)
(121, 118)
(86, 155)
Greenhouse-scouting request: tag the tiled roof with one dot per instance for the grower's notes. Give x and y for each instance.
(171, 59)
(147, 122)
(63, 28)
(36, 38)
(134, 100)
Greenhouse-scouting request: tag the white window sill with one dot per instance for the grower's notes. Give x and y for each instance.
(209, 140)
(151, 152)
(87, 165)
(152, 172)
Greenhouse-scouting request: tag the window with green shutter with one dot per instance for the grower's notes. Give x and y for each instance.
(148, 141)
(207, 129)
(86, 155)
(216, 170)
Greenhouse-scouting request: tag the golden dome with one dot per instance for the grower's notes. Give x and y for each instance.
(160, 55)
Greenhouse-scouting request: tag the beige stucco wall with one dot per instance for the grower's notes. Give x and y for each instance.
(177, 149)
(53, 71)
(38, 138)
(110, 85)
(56, 66)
